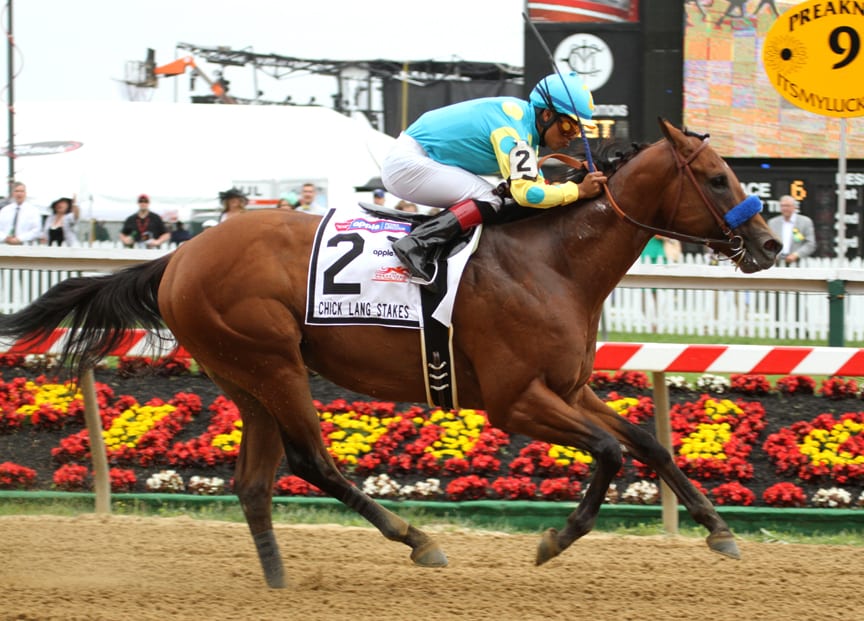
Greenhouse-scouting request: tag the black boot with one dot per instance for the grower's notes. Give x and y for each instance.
(417, 249)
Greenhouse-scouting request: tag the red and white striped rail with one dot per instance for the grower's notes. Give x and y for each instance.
(746, 359)
(137, 343)
(655, 357)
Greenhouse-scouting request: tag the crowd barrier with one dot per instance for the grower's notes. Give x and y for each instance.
(658, 359)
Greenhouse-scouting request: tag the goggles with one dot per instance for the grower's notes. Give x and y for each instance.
(568, 127)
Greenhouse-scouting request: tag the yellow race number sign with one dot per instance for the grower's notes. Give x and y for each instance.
(813, 56)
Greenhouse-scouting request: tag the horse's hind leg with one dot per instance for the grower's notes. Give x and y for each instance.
(308, 458)
(291, 403)
(257, 463)
(315, 465)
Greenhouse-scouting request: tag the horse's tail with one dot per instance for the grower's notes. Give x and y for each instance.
(98, 310)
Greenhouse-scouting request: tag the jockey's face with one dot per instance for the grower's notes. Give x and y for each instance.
(561, 132)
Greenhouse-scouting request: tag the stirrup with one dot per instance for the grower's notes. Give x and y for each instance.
(417, 280)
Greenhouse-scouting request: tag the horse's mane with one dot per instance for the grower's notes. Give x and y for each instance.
(608, 159)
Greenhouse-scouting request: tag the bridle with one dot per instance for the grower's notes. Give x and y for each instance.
(738, 214)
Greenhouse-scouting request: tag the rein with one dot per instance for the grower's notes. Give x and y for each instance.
(734, 242)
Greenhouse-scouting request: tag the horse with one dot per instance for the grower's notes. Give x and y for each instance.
(525, 323)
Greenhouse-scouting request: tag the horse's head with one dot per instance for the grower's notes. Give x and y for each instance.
(711, 204)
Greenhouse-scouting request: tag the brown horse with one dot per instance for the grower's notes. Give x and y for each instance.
(525, 325)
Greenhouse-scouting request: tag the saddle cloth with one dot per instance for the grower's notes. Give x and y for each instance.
(356, 279)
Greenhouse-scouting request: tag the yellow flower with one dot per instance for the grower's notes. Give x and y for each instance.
(133, 423)
(58, 396)
(721, 409)
(822, 446)
(706, 441)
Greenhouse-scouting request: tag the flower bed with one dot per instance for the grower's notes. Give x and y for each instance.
(743, 441)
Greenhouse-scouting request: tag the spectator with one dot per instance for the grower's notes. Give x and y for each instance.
(234, 202)
(144, 229)
(379, 197)
(284, 204)
(308, 202)
(100, 231)
(288, 201)
(60, 225)
(180, 234)
(20, 220)
(672, 249)
(653, 252)
(795, 230)
(406, 206)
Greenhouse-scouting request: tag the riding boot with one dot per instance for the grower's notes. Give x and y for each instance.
(417, 249)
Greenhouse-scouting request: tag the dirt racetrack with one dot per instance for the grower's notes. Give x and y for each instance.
(117, 568)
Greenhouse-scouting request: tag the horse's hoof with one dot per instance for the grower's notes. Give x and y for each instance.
(277, 581)
(429, 555)
(723, 543)
(548, 547)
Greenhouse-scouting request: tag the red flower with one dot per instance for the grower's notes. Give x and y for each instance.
(295, 486)
(796, 384)
(514, 488)
(14, 476)
(485, 464)
(71, 478)
(454, 465)
(749, 384)
(471, 487)
(561, 488)
(122, 480)
(784, 495)
(733, 494)
(838, 388)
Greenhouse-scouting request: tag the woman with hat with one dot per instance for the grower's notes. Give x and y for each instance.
(60, 225)
(234, 202)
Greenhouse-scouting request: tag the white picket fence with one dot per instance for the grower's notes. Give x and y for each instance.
(710, 301)
(742, 311)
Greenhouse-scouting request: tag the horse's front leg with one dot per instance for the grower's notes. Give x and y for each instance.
(541, 414)
(645, 447)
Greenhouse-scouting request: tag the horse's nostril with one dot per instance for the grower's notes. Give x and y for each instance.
(773, 246)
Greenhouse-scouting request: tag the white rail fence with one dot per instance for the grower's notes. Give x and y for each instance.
(692, 297)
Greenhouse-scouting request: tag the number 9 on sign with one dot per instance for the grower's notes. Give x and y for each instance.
(812, 55)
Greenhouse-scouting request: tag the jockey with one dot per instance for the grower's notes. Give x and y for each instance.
(438, 161)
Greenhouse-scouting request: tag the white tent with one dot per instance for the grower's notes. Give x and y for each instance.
(183, 155)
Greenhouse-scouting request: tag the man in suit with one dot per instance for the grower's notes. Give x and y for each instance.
(20, 220)
(795, 230)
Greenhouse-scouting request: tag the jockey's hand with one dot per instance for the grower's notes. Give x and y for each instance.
(592, 185)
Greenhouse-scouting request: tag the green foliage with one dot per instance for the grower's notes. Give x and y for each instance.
(287, 514)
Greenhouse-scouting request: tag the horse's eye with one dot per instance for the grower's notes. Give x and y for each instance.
(720, 182)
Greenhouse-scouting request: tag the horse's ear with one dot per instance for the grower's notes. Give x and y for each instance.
(666, 128)
(672, 133)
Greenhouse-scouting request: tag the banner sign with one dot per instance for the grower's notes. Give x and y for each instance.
(813, 57)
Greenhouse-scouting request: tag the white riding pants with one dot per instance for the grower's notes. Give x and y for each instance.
(409, 173)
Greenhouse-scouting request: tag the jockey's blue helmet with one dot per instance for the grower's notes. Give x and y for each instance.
(554, 92)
